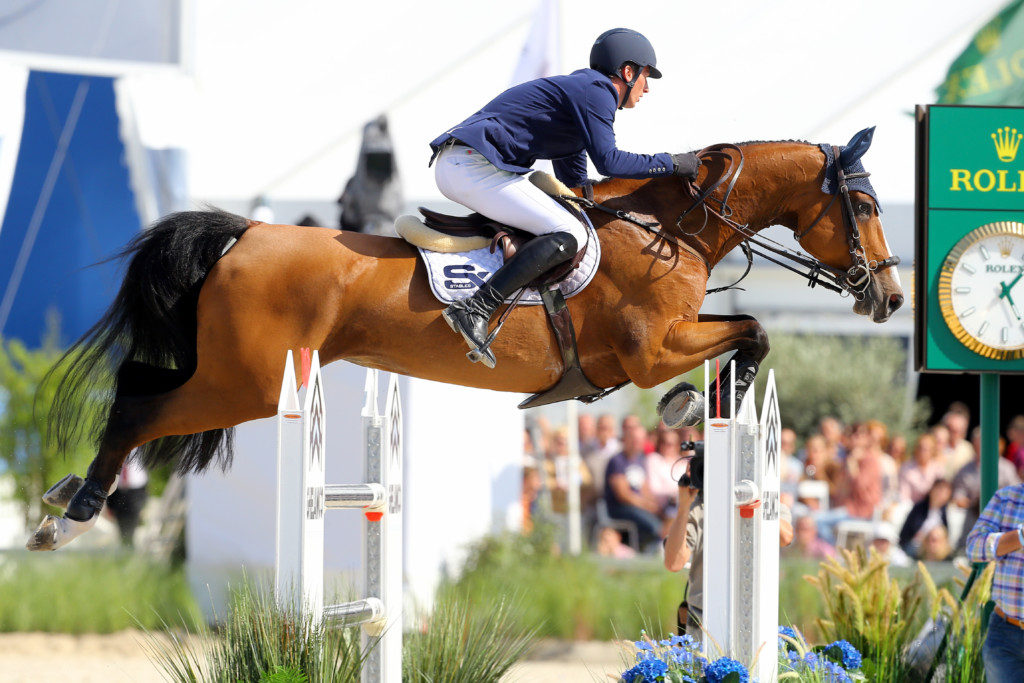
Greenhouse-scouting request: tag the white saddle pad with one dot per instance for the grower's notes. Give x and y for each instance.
(458, 276)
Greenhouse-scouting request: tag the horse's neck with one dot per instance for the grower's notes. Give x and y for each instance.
(773, 175)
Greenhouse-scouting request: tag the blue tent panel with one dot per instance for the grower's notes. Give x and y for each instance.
(90, 215)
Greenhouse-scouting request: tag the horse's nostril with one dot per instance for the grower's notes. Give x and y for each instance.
(895, 301)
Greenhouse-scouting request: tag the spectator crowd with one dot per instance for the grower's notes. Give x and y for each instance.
(845, 484)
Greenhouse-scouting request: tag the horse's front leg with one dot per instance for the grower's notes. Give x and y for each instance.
(687, 344)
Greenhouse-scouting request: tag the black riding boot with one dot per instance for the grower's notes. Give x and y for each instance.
(470, 317)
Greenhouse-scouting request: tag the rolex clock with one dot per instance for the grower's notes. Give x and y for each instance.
(981, 290)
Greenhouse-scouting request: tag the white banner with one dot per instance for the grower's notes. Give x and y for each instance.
(541, 55)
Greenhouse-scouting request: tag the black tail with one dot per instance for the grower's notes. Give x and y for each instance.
(145, 344)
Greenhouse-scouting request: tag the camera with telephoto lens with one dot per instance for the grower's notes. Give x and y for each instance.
(695, 477)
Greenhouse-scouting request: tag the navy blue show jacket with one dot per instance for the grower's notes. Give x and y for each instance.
(562, 118)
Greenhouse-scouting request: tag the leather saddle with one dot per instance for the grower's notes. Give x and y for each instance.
(505, 237)
(573, 383)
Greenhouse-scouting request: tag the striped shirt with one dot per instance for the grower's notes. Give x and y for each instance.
(1004, 512)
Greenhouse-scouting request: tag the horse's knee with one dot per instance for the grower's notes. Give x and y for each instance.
(758, 340)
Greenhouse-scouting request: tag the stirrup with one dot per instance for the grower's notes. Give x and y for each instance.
(484, 355)
(477, 354)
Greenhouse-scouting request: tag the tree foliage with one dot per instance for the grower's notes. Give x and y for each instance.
(25, 400)
(851, 378)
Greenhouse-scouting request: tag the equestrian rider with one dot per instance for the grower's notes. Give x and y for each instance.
(482, 162)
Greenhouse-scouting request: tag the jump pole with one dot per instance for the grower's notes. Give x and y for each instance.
(303, 496)
(741, 530)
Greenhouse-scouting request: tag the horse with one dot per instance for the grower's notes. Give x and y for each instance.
(211, 302)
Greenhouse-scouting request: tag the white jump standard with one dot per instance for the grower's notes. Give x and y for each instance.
(741, 530)
(303, 496)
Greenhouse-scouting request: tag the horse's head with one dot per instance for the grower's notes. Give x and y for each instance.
(842, 227)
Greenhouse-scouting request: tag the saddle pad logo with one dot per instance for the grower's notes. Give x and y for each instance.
(464, 276)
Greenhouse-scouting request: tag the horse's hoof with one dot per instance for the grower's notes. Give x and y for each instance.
(56, 532)
(486, 357)
(61, 493)
(682, 406)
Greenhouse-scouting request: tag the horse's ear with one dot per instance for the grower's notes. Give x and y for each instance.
(856, 147)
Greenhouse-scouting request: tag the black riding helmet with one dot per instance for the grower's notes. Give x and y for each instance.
(617, 46)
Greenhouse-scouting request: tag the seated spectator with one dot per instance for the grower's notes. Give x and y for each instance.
(917, 476)
(862, 485)
(1015, 448)
(898, 448)
(967, 483)
(519, 516)
(608, 445)
(929, 513)
(556, 467)
(831, 430)
(631, 421)
(586, 431)
(609, 544)
(960, 450)
(808, 498)
(935, 547)
(626, 489)
(665, 458)
(884, 542)
(806, 543)
(791, 469)
(820, 466)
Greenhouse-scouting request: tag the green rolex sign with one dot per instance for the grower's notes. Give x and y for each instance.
(969, 274)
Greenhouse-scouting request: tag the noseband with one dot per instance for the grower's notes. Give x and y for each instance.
(854, 281)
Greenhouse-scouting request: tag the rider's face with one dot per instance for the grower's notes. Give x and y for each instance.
(638, 89)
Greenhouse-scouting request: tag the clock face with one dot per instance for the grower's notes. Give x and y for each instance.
(981, 290)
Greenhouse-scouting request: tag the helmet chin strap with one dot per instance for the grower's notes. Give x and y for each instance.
(629, 86)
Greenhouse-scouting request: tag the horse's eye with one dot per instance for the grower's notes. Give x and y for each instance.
(863, 208)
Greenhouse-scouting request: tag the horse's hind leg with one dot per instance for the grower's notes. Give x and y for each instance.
(84, 498)
(195, 407)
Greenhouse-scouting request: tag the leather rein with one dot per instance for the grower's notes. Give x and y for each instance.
(854, 281)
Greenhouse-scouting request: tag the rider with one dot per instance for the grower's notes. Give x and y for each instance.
(482, 162)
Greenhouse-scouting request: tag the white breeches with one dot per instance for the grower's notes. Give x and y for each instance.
(463, 175)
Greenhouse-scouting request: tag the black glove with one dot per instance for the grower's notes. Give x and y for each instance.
(685, 165)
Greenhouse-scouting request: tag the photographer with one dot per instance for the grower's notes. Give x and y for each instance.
(684, 543)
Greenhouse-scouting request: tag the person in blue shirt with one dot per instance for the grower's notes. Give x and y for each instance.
(481, 163)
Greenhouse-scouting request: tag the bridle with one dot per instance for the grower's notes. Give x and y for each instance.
(854, 281)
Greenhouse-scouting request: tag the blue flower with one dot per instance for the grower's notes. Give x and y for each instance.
(681, 657)
(684, 641)
(849, 655)
(643, 645)
(651, 669)
(789, 632)
(718, 670)
(812, 661)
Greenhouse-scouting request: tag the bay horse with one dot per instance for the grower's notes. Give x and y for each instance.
(211, 303)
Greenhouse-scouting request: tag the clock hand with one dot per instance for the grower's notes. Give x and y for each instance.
(1005, 288)
(1009, 300)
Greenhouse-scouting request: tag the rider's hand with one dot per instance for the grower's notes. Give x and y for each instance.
(685, 165)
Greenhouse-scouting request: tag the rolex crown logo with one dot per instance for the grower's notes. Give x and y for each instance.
(1007, 141)
(1005, 247)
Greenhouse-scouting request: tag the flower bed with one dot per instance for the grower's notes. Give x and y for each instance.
(678, 659)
